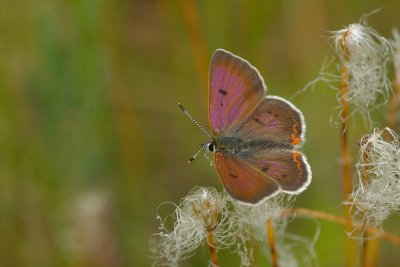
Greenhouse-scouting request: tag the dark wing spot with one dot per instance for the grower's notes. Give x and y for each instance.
(264, 169)
(283, 175)
(222, 92)
(259, 122)
(221, 104)
(276, 115)
(233, 176)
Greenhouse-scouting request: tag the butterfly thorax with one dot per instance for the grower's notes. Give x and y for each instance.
(238, 147)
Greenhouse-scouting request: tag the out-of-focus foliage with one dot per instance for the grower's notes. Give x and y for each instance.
(91, 140)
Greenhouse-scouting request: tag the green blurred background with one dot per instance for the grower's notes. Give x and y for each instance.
(91, 139)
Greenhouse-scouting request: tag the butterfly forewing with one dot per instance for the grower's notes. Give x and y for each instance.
(235, 89)
(274, 119)
(242, 181)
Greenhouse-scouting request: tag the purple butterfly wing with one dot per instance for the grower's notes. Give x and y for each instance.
(274, 119)
(235, 89)
(288, 168)
(242, 181)
(280, 126)
(263, 175)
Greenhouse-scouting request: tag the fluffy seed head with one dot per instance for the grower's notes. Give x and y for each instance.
(249, 222)
(376, 193)
(366, 55)
(250, 219)
(206, 206)
(203, 210)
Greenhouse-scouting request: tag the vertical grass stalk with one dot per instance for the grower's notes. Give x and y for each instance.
(369, 251)
(346, 168)
(369, 243)
(197, 41)
(213, 250)
(272, 244)
(373, 252)
(395, 101)
(394, 105)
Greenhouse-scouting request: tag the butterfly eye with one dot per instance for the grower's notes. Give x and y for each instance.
(211, 146)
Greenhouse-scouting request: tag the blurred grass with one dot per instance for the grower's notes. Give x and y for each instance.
(91, 139)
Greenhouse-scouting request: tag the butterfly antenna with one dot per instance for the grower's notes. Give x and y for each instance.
(195, 155)
(195, 122)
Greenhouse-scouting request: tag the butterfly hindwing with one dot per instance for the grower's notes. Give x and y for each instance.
(235, 89)
(274, 119)
(288, 168)
(260, 176)
(242, 181)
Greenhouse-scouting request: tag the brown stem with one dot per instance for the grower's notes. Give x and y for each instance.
(395, 102)
(198, 44)
(341, 220)
(346, 171)
(394, 105)
(369, 250)
(364, 250)
(369, 245)
(272, 246)
(252, 245)
(346, 161)
(213, 250)
(373, 252)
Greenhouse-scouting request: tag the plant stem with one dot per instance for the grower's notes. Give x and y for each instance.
(272, 246)
(346, 169)
(394, 105)
(213, 250)
(369, 250)
(364, 250)
(196, 38)
(369, 245)
(395, 102)
(374, 251)
(252, 245)
(341, 220)
(365, 235)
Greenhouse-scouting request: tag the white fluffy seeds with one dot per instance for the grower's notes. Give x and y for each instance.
(376, 193)
(230, 222)
(203, 210)
(366, 55)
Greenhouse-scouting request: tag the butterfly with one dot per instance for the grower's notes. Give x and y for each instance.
(256, 137)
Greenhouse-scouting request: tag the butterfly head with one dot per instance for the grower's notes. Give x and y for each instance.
(210, 146)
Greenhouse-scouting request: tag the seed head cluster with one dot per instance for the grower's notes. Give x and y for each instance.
(206, 210)
(366, 55)
(376, 193)
(203, 210)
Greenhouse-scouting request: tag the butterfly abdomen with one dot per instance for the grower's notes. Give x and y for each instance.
(265, 144)
(240, 148)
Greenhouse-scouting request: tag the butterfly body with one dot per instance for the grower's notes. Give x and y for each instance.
(256, 137)
(237, 147)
